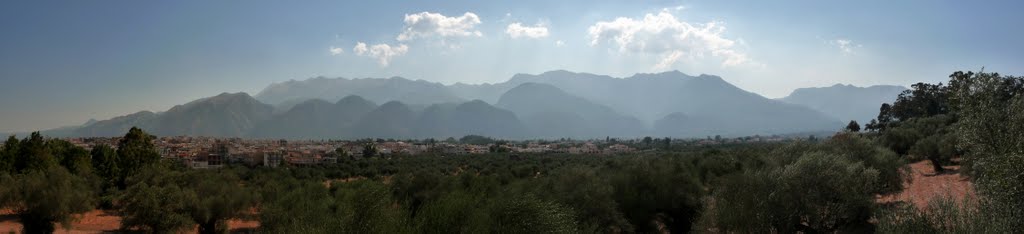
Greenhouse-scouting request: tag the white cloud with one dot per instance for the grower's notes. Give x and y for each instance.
(663, 34)
(669, 59)
(426, 24)
(846, 46)
(517, 30)
(382, 52)
(336, 50)
(559, 43)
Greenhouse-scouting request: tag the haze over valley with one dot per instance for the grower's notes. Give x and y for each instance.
(551, 105)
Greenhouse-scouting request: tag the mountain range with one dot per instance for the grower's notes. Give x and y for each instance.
(846, 102)
(553, 104)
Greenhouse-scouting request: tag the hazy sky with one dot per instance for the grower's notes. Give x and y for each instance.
(64, 62)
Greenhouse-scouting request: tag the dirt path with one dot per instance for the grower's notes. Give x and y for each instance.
(99, 221)
(926, 185)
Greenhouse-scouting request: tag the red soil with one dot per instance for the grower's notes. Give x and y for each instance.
(926, 185)
(98, 221)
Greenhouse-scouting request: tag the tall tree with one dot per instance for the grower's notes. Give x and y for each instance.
(135, 151)
(105, 164)
(853, 126)
(34, 154)
(369, 149)
(8, 155)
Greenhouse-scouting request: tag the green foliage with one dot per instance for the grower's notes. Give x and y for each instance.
(291, 206)
(367, 207)
(853, 126)
(528, 214)
(592, 196)
(159, 209)
(456, 212)
(105, 164)
(221, 196)
(34, 154)
(943, 215)
(369, 149)
(8, 154)
(476, 140)
(786, 199)
(660, 191)
(990, 132)
(135, 151)
(939, 149)
(204, 197)
(42, 197)
(75, 159)
(892, 170)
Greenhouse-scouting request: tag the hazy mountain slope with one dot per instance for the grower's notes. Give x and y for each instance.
(846, 102)
(224, 115)
(552, 104)
(652, 97)
(315, 119)
(479, 118)
(312, 119)
(117, 126)
(545, 106)
(377, 90)
(391, 120)
(470, 118)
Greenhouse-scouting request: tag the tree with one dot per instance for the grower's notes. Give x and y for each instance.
(160, 209)
(369, 150)
(105, 163)
(220, 196)
(134, 152)
(785, 200)
(75, 158)
(34, 154)
(340, 151)
(990, 131)
(8, 154)
(164, 200)
(853, 126)
(42, 197)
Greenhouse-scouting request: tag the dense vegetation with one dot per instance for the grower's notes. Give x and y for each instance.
(809, 185)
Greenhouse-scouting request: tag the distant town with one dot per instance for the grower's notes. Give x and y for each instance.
(211, 152)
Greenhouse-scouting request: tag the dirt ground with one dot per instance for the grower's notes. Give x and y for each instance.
(100, 221)
(926, 185)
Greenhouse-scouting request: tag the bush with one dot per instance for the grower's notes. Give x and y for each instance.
(43, 197)
(820, 192)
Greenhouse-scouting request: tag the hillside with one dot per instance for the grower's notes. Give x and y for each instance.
(846, 102)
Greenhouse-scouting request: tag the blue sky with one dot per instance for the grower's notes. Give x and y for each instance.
(64, 62)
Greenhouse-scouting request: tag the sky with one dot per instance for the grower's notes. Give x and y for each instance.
(64, 62)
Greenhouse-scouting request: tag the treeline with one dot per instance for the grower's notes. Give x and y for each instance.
(703, 188)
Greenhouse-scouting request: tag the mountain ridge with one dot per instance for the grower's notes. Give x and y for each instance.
(581, 105)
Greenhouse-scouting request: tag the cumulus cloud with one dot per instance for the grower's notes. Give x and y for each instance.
(336, 50)
(517, 30)
(559, 43)
(669, 59)
(845, 46)
(426, 24)
(382, 52)
(665, 35)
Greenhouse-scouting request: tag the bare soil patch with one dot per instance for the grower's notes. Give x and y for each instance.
(925, 185)
(101, 221)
